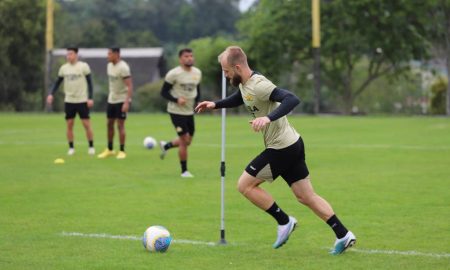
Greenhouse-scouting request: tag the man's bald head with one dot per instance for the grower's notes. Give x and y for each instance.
(233, 55)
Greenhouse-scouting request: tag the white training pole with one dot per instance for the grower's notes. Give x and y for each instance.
(222, 167)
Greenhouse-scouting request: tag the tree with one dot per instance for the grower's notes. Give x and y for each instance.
(22, 50)
(439, 33)
(387, 33)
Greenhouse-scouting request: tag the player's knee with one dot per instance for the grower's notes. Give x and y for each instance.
(305, 198)
(243, 188)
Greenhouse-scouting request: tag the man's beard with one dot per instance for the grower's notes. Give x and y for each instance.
(236, 80)
(189, 64)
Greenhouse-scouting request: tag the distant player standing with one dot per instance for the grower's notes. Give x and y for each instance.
(182, 89)
(78, 96)
(284, 154)
(119, 100)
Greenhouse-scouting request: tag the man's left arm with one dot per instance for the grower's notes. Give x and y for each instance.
(197, 98)
(129, 84)
(90, 101)
(287, 100)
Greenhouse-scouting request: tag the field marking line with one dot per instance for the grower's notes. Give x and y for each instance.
(131, 237)
(194, 242)
(399, 252)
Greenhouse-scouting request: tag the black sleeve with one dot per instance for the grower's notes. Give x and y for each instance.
(231, 101)
(165, 92)
(56, 85)
(288, 102)
(90, 89)
(197, 98)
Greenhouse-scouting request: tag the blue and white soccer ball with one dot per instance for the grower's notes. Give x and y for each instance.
(156, 239)
(149, 142)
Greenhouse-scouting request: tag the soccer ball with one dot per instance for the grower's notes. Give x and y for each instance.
(156, 239)
(149, 142)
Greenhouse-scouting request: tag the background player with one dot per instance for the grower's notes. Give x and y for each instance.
(77, 96)
(119, 101)
(182, 89)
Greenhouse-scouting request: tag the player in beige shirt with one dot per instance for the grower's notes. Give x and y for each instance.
(284, 154)
(77, 96)
(119, 100)
(182, 89)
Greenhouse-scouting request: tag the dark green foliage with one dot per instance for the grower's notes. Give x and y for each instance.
(22, 54)
(148, 98)
(438, 96)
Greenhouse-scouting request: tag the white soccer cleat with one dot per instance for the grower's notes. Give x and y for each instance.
(187, 174)
(163, 151)
(71, 151)
(284, 231)
(91, 151)
(340, 245)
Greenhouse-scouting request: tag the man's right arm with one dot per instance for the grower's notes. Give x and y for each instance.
(56, 85)
(165, 92)
(231, 101)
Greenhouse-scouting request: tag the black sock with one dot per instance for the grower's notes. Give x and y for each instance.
(91, 143)
(70, 144)
(110, 146)
(122, 147)
(168, 145)
(278, 214)
(183, 166)
(337, 226)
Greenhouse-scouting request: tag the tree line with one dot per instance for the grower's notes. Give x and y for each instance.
(364, 42)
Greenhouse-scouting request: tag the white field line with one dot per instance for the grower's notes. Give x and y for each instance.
(131, 237)
(403, 253)
(192, 242)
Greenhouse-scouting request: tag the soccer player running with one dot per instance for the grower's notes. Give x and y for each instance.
(78, 96)
(182, 88)
(284, 154)
(119, 100)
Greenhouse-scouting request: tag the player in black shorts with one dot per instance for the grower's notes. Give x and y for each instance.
(119, 100)
(181, 89)
(284, 154)
(78, 93)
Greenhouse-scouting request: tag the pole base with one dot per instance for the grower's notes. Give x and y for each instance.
(222, 242)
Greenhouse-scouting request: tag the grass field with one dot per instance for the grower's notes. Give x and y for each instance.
(387, 178)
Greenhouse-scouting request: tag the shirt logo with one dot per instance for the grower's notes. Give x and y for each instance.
(253, 168)
(248, 97)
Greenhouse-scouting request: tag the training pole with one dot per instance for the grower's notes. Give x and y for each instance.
(222, 167)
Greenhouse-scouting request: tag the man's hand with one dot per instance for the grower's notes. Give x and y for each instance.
(181, 101)
(49, 99)
(125, 106)
(90, 103)
(205, 105)
(259, 123)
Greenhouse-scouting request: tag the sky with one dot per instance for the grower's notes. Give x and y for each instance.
(245, 4)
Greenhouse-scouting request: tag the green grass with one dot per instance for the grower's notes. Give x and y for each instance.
(386, 178)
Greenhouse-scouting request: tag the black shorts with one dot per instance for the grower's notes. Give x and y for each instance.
(114, 111)
(288, 162)
(72, 109)
(183, 124)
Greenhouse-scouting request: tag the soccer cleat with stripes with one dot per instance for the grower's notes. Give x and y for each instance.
(284, 231)
(340, 245)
